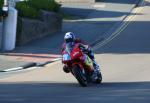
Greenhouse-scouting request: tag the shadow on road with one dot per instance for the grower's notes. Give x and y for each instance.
(134, 39)
(120, 92)
(94, 28)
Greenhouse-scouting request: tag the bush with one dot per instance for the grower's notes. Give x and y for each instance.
(1, 4)
(49, 5)
(31, 8)
(24, 10)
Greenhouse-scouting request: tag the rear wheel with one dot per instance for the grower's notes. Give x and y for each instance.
(80, 76)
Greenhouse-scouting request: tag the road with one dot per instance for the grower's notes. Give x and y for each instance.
(124, 64)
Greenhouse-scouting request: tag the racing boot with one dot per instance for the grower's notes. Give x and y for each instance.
(96, 66)
(96, 77)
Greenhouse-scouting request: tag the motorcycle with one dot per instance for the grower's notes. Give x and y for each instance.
(80, 65)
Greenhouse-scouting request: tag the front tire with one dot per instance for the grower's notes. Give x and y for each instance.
(80, 76)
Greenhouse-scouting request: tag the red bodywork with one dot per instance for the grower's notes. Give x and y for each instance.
(76, 57)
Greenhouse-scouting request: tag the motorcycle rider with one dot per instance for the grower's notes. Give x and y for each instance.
(70, 38)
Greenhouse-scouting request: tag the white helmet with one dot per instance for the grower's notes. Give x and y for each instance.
(69, 37)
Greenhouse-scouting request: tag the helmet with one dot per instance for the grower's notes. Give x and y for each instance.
(69, 37)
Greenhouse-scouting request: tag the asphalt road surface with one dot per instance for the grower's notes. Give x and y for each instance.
(124, 65)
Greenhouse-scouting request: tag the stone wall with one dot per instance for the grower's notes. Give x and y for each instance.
(29, 29)
(76, 1)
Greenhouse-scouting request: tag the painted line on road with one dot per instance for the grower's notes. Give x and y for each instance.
(94, 19)
(99, 5)
(29, 65)
(13, 69)
(45, 63)
(121, 28)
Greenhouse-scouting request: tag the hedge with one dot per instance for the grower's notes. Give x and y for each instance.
(1, 4)
(49, 5)
(31, 8)
(25, 10)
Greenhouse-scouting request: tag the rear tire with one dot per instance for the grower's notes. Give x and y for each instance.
(80, 76)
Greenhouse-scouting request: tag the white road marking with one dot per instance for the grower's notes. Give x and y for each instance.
(121, 28)
(99, 5)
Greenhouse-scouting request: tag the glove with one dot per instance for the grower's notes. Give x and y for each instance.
(83, 47)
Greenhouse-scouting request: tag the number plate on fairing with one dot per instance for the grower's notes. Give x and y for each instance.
(66, 57)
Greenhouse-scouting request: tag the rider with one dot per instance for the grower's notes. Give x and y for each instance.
(71, 39)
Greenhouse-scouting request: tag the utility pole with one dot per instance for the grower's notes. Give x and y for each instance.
(9, 27)
(5, 2)
(4, 14)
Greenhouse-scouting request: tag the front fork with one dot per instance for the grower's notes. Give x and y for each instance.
(86, 73)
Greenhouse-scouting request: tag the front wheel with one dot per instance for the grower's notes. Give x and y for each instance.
(80, 76)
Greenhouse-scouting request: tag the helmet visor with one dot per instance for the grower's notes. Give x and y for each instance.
(69, 40)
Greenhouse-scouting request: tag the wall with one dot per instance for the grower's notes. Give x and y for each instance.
(29, 29)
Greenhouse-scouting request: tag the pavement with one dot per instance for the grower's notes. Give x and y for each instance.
(93, 22)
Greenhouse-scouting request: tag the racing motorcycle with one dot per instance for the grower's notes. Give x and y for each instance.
(80, 65)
